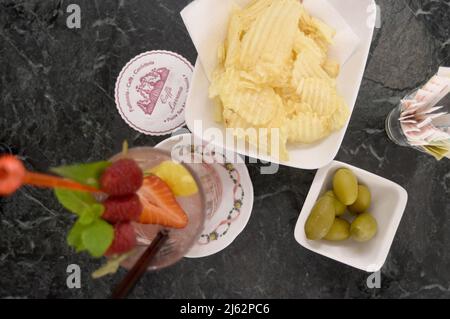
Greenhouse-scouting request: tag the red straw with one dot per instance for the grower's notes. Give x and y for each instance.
(49, 181)
(13, 175)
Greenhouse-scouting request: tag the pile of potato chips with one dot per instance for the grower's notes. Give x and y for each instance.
(274, 72)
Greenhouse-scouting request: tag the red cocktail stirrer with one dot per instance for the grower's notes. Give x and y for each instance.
(13, 175)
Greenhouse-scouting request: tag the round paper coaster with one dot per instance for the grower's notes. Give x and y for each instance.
(235, 206)
(151, 92)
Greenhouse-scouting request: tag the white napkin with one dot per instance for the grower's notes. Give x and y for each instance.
(207, 24)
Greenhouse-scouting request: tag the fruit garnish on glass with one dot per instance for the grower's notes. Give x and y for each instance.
(117, 202)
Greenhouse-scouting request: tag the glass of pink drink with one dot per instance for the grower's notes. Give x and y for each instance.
(196, 206)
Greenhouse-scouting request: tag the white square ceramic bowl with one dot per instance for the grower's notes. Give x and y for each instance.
(200, 107)
(388, 204)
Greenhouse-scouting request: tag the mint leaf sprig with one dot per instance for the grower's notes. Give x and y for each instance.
(90, 232)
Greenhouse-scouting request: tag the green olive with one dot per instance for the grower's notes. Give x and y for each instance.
(345, 186)
(339, 231)
(321, 219)
(338, 206)
(363, 201)
(364, 227)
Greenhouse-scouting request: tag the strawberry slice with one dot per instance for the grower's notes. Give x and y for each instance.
(160, 206)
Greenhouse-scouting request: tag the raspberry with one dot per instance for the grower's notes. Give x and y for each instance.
(123, 177)
(122, 208)
(124, 239)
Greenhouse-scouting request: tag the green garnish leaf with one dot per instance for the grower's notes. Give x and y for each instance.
(90, 232)
(97, 237)
(88, 174)
(112, 265)
(90, 214)
(86, 217)
(74, 236)
(75, 201)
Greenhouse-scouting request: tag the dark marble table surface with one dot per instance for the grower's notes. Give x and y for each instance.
(57, 106)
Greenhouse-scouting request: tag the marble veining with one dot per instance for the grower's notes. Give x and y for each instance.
(57, 107)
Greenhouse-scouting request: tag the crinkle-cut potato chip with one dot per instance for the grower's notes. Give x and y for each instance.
(303, 108)
(279, 120)
(332, 67)
(239, 127)
(290, 107)
(275, 143)
(260, 137)
(221, 55)
(233, 41)
(323, 45)
(307, 128)
(252, 12)
(309, 66)
(316, 27)
(283, 152)
(218, 110)
(319, 94)
(303, 43)
(256, 107)
(226, 81)
(265, 133)
(340, 117)
(265, 146)
(305, 20)
(288, 93)
(274, 73)
(323, 30)
(317, 30)
(263, 75)
(217, 83)
(233, 120)
(270, 39)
